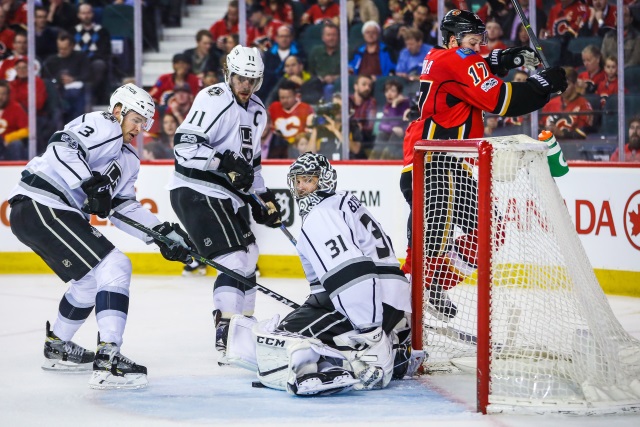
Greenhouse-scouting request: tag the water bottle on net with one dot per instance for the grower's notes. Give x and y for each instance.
(557, 164)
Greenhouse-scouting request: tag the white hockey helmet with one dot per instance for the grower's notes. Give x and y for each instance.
(131, 97)
(310, 164)
(246, 62)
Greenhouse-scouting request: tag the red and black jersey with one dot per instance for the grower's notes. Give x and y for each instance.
(609, 16)
(595, 79)
(575, 124)
(567, 20)
(290, 122)
(456, 86)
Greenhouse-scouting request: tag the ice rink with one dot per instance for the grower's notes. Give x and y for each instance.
(170, 330)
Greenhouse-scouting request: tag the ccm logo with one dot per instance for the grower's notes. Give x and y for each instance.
(271, 341)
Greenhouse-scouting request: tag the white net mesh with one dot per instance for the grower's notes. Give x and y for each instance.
(555, 341)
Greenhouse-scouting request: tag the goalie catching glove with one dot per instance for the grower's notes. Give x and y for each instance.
(269, 214)
(503, 60)
(179, 249)
(98, 191)
(239, 171)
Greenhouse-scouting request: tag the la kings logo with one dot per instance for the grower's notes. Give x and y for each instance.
(285, 201)
(109, 117)
(215, 91)
(246, 135)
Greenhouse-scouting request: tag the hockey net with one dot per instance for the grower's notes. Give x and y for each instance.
(531, 322)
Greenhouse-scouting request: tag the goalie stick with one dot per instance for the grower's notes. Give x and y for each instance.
(167, 241)
(282, 227)
(532, 35)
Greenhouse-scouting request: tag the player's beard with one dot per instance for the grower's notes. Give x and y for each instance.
(634, 142)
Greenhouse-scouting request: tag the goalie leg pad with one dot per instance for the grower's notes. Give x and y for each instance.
(241, 343)
(371, 356)
(317, 370)
(297, 364)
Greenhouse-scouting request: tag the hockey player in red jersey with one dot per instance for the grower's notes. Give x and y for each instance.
(456, 86)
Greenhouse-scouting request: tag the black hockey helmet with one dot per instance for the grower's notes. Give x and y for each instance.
(460, 22)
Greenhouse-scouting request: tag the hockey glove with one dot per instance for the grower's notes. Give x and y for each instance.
(551, 80)
(98, 190)
(269, 215)
(240, 172)
(179, 250)
(503, 60)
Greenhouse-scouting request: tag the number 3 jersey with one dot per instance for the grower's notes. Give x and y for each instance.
(90, 143)
(216, 123)
(345, 252)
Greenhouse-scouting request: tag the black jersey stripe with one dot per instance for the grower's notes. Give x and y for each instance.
(105, 142)
(218, 116)
(348, 274)
(343, 199)
(33, 180)
(131, 150)
(84, 162)
(314, 249)
(254, 100)
(65, 164)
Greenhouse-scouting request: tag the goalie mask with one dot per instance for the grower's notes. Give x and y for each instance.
(310, 167)
(132, 98)
(245, 62)
(458, 23)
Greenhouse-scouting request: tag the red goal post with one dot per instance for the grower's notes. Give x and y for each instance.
(531, 316)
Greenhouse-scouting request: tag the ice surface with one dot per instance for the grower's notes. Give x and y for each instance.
(170, 330)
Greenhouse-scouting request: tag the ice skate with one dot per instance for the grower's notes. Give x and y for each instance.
(440, 306)
(222, 331)
(195, 269)
(331, 381)
(65, 356)
(112, 370)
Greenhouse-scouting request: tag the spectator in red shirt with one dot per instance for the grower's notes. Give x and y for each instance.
(318, 13)
(225, 26)
(289, 114)
(279, 10)
(632, 147)
(6, 36)
(593, 74)
(14, 126)
(20, 87)
(568, 126)
(566, 19)
(602, 17)
(182, 74)
(7, 71)
(262, 31)
(609, 86)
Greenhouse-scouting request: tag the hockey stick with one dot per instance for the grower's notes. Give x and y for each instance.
(454, 334)
(532, 36)
(282, 226)
(167, 241)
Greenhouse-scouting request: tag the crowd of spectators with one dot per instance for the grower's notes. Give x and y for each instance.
(300, 44)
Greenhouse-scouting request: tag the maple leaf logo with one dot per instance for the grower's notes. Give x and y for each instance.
(634, 217)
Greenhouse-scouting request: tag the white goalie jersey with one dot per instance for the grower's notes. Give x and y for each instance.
(217, 123)
(90, 143)
(345, 252)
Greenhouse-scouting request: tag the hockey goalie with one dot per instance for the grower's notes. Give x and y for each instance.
(353, 331)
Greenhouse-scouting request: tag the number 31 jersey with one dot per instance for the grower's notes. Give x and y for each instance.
(342, 245)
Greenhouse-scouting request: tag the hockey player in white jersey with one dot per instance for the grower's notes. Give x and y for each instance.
(217, 168)
(89, 167)
(353, 330)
